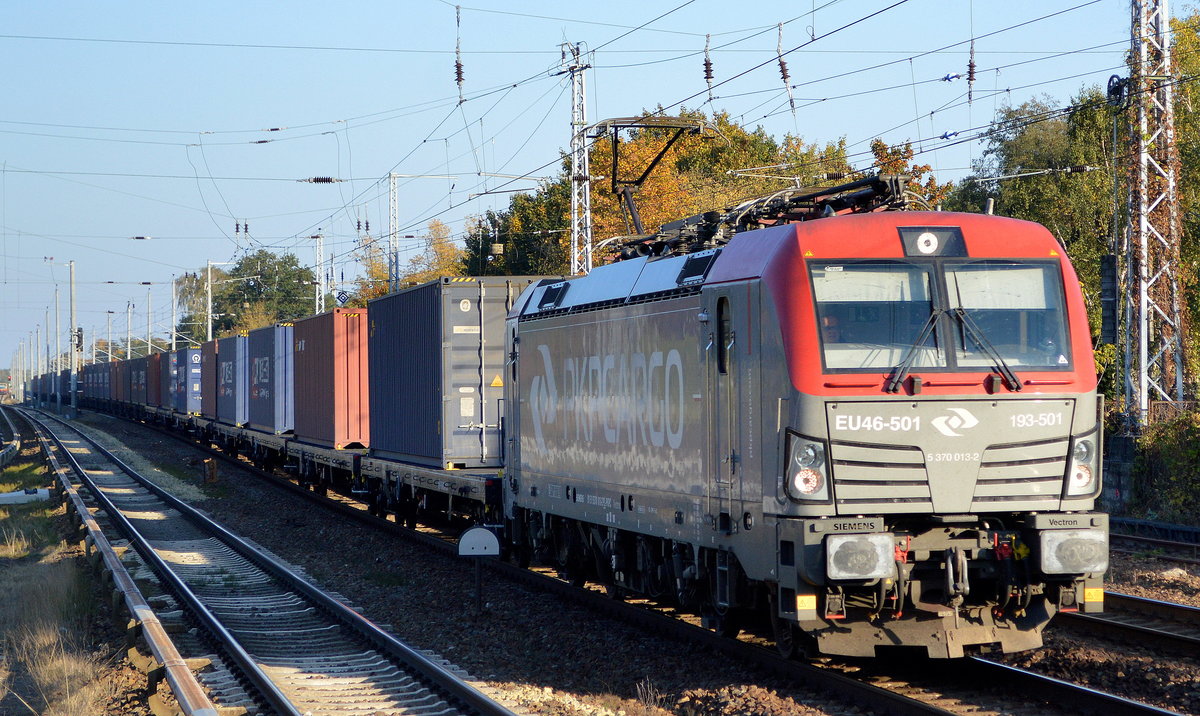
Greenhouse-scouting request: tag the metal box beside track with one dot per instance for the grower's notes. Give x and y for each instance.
(330, 358)
(185, 395)
(272, 397)
(437, 368)
(208, 380)
(233, 379)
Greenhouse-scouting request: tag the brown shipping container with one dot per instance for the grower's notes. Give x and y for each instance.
(208, 380)
(331, 379)
(154, 379)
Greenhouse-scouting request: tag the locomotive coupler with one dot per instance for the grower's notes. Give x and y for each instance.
(958, 584)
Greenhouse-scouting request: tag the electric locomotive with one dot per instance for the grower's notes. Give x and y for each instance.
(880, 428)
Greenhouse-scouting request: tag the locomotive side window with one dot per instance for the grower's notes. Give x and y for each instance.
(871, 313)
(1018, 306)
(724, 335)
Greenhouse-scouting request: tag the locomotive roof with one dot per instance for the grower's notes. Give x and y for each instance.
(751, 254)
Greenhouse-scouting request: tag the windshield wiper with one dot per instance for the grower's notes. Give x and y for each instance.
(900, 372)
(971, 328)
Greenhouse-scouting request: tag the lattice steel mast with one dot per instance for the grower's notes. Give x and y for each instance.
(393, 251)
(1154, 325)
(581, 180)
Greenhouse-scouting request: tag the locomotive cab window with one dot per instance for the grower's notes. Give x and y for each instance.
(1019, 308)
(871, 313)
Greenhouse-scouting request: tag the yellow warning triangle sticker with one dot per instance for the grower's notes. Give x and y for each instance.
(808, 254)
(1053, 252)
(496, 382)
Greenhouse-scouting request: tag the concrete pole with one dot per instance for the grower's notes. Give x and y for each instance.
(208, 302)
(173, 319)
(128, 330)
(76, 344)
(149, 344)
(57, 355)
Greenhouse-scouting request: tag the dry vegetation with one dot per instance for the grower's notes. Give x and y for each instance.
(47, 663)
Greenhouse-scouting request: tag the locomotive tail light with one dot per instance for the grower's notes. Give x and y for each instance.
(860, 556)
(1074, 551)
(805, 477)
(1082, 471)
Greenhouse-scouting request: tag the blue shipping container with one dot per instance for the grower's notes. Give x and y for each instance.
(272, 391)
(233, 377)
(185, 396)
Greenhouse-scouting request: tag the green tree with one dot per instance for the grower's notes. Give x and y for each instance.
(259, 289)
(1056, 167)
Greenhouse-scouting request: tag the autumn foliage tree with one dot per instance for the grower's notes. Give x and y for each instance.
(710, 170)
(898, 159)
(440, 256)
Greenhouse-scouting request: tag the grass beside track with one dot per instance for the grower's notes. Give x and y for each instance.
(47, 608)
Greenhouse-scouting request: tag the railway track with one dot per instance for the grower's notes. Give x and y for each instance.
(882, 686)
(1144, 621)
(1171, 550)
(296, 649)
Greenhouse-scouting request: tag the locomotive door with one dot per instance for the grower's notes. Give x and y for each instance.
(725, 415)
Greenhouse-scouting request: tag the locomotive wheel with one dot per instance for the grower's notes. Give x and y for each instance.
(783, 631)
(729, 624)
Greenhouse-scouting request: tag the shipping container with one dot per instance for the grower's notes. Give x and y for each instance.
(208, 380)
(330, 357)
(185, 398)
(123, 369)
(154, 371)
(437, 371)
(166, 380)
(137, 381)
(109, 380)
(272, 406)
(233, 378)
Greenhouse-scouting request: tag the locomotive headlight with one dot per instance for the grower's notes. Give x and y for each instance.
(1073, 551)
(1082, 472)
(808, 455)
(805, 477)
(870, 556)
(1082, 452)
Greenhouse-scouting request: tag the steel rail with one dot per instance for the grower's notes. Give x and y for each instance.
(192, 698)
(1192, 547)
(1083, 699)
(450, 685)
(267, 688)
(1114, 624)
(12, 447)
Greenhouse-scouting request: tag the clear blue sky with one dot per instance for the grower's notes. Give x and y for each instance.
(148, 118)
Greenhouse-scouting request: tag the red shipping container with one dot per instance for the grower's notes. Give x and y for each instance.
(331, 379)
(154, 379)
(122, 381)
(208, 380)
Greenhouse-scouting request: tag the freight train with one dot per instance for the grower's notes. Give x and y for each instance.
(875, 428)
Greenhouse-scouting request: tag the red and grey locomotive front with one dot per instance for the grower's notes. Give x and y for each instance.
(941, 451)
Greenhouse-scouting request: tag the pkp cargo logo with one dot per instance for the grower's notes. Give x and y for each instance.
(948, 425)
(543, 398)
